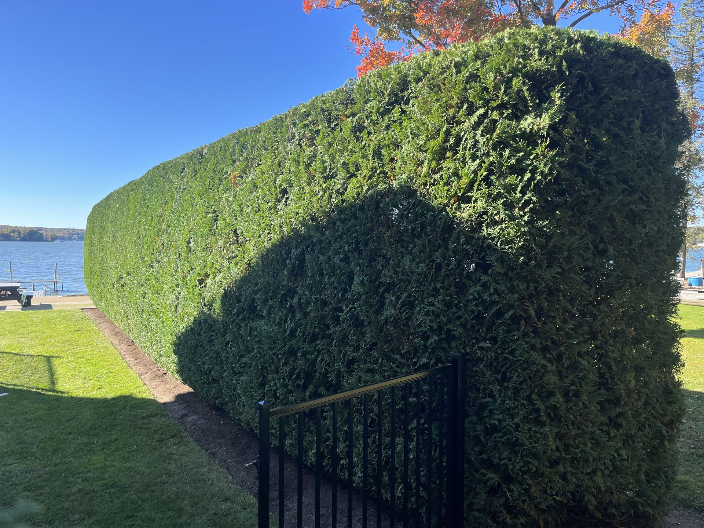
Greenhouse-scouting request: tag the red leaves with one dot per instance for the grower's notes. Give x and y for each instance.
(433, 24)
(420, 25)
(374, 53)
(309, 5)
(445, 22)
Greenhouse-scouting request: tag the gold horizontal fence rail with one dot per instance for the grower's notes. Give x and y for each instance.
(430, 494)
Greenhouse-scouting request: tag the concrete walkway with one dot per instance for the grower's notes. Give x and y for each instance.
(74, 302)
(693, 296)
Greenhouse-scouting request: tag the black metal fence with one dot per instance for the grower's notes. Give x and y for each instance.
(395, 454)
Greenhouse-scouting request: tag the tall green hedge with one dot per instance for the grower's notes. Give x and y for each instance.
(515, 199)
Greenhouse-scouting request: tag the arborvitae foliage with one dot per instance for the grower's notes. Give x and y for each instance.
(515, 199)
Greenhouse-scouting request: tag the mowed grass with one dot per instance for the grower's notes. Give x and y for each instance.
(81, 436)
(689, 487)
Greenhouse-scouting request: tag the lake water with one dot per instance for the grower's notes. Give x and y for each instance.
(693, 259)
(34, 262)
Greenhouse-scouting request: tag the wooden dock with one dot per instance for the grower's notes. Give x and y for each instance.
(55, 281)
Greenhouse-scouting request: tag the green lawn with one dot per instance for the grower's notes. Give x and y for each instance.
(81, 436)
(689, 488)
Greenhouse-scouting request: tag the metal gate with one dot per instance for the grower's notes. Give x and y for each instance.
(408, 470)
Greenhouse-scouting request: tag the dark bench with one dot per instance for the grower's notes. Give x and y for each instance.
(11, 290)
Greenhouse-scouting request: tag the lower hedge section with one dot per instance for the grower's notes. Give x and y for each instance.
(516, 199)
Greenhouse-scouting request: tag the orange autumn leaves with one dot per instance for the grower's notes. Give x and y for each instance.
(653, 33)
(450, 21)
(374, 53)
(423, 25)
(653, 30)
(420, 25)
(309, 5)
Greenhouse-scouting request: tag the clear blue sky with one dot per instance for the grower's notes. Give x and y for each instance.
(93, 93)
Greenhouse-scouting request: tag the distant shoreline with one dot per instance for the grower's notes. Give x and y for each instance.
(43, 240)
(20, 240)
(10, 233)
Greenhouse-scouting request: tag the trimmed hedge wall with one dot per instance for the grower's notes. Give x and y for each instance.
(516, 199)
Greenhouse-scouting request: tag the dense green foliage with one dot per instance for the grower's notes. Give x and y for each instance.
(515, 199)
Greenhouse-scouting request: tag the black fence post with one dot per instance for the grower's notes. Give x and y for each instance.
(462, 433)
(263, 463)
(452, 442)
(456, 441)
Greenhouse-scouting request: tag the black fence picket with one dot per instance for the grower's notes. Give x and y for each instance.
(426, 489)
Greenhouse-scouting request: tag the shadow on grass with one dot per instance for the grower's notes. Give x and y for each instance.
(695, 334)
(118, 461)
(689, 486)
(27, 363)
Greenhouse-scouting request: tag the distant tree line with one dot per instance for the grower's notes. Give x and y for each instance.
(39, 234)
(695, 236)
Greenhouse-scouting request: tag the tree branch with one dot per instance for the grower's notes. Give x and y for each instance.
(536, 8)
(592, 11)
(519, 10)
(550, 7)
(562, 6)
(343, 6)
(418, 41)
